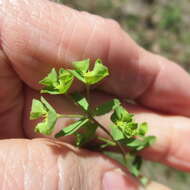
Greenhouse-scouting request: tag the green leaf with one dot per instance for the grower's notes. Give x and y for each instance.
(81, 66)
(57, 83)
(107, 142)
(130, 129)
(80, 139)
(65, 81)
(134, 164)
(47, 90)
(144, 180)
(99, 72)
(50, 80)
(38, 110)
(116, 133)
(47, 105)
(135, 144)
(115, 156)
(78, 75)
(140, 144)
(130, 160)
(106, 107)
(80, 100)
(149, 140)
(71, 129)
(121, 114)
(82, 73)
(88, 133)
(124, 121)
(143, 129)
(47, 125)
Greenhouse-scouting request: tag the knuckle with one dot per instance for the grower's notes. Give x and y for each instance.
(113, 24)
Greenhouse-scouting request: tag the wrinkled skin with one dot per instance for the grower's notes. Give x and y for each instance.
(37, 35)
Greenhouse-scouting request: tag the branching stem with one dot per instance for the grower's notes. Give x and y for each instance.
(103, 128)
(109, 134)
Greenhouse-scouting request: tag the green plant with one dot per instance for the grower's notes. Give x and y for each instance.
(171, 18)
(124, 132)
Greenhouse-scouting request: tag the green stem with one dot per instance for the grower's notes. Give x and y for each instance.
(102, 127)
(88, 93)
(109, 134)
(106, 140)
(70, 116)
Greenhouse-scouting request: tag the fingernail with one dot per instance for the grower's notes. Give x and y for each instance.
(156, 186)
(118, 180)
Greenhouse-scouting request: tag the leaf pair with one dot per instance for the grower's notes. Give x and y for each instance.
(81, 71)
(124, 126)
(99, 110)
(88, 126)
(134, 164)
(71, 129)
(85, 136)
(57, 83)
(88, 131)
(106, 107)
(42, 109)
(139, 144)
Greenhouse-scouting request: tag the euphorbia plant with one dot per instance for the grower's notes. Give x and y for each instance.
(124, 132)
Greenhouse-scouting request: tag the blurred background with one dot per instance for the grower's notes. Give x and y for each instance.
(161, 26)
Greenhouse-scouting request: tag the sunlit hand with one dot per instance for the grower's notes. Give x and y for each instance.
(38, 35)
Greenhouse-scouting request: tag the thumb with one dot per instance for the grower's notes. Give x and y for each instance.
(42, 164)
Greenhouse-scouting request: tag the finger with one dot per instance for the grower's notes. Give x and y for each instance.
(41, 164)
(172, 137)
(11, 100)
(172, 132)
(50, 35)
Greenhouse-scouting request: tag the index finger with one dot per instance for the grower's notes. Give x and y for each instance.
(37, 35)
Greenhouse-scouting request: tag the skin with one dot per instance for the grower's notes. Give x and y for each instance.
(38, 35)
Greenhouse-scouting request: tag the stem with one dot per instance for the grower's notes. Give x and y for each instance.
(102, 127)
(70, 116)
(109, 134)
(88, 93)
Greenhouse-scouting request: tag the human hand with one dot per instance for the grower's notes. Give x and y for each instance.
(39, 35)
